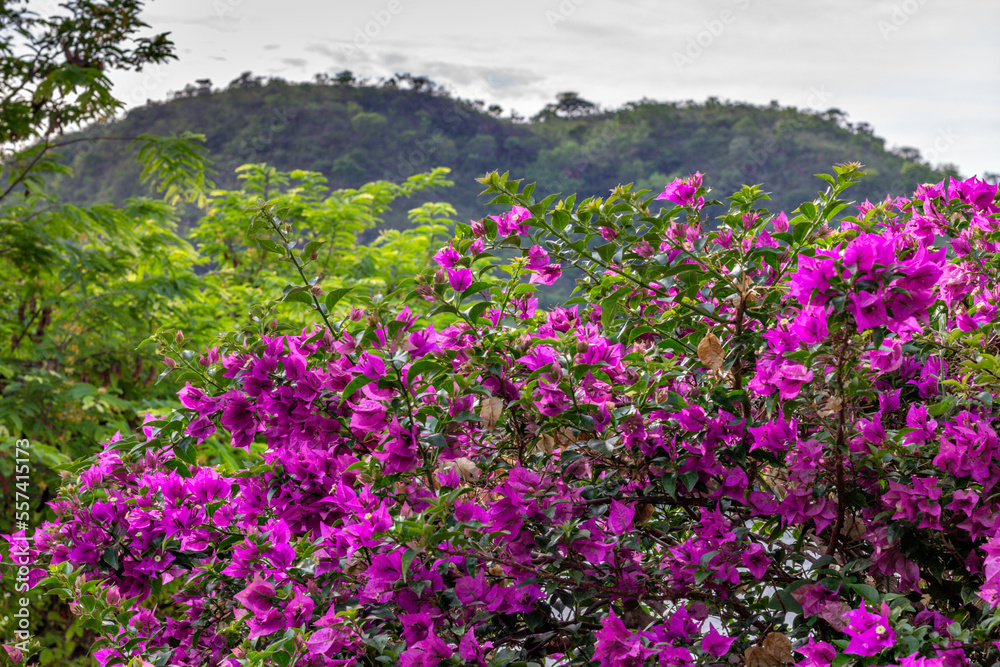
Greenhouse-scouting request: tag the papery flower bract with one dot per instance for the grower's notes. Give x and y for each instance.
(447, 257)
(818, 654)
(537, 258)
(369, 416)
(789, 379)
(399, 452)
(240, 419)
(682, 191)
(869, 632)
(370, 365)
(868, 310)
(811, 324)
(620, 517)
(547, 275)
(257, 596)
(780, 222)
(755, 559)
(460, 279)
(617, 646)
(715, 644)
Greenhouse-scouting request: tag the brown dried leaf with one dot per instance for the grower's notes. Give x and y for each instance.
(644, 512)
(775, 652)
(832, 406)
(779, 646)
(467, 470)
(490, 410)
(755, 656)
(546, 443)
(710, 352)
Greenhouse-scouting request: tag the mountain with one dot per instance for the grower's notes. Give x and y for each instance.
(354, 132)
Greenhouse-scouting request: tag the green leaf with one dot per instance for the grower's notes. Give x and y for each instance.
(312, 247)
(421, 366)
(334, 296)
(867, 592)
(269, 246)
(408, 557)
(353, 386)
(304, 296)
(610, 304)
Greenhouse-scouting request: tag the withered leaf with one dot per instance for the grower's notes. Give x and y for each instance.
(775, 652)
(546, 443)
(644, 512)
(779, 646)
(490, 410)
(710, 352)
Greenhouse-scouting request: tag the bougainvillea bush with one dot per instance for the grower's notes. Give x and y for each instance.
(747, 438)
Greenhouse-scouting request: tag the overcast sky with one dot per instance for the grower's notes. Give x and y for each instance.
(923, 73)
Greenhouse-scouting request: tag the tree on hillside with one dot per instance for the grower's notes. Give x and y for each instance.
(53, 73)
(567, 105)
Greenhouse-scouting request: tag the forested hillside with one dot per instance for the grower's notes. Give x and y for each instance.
(355, 132)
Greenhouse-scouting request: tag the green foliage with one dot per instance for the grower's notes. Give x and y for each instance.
(353, 133)
(53, 71)
(244, 272)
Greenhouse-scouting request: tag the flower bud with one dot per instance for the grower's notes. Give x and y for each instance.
(113, 596)
(179, 337)
(356, 314)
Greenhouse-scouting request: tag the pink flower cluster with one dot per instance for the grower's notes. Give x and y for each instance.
(574, 486)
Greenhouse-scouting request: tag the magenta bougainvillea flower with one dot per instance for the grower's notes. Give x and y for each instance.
(440, 477)
(617, 646)
(460, 279)
(683, 191)
(869, 632)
